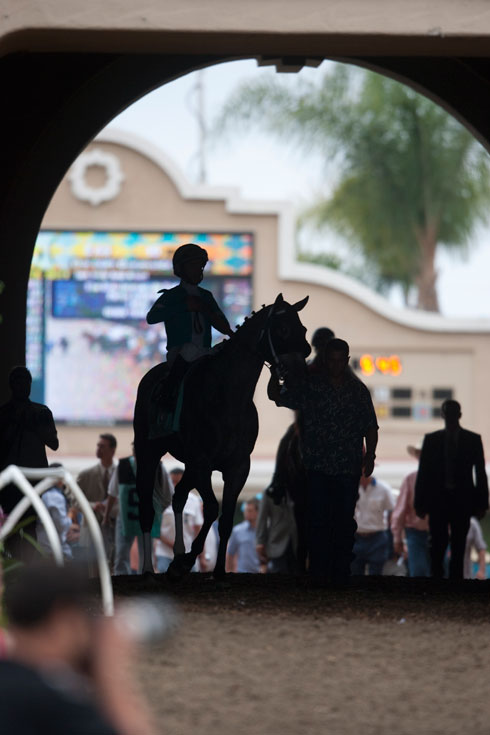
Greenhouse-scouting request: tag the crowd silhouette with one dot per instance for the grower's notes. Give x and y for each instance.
(324, 513)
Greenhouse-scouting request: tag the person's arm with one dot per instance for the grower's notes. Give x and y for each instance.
(211, 310)
(108, 506)
(368, 423)
(389, 500)
(220, 322)
(482, 565)
(166, 307)
(422, 488)
(481, 481)
(261, 529)
(371, 438)
(167, 530)
(46, 430)
(57, 511)
(398, 518)
(231, 563)
(112, 497)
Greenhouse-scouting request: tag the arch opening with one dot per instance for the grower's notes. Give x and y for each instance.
(381, 355)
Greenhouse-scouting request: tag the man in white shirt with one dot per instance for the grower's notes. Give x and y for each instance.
(371, 541)
(192, 522)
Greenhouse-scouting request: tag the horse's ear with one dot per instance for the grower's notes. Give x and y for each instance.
(301, 304)
(278, 300)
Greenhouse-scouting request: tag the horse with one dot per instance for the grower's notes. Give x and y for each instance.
(218, 425)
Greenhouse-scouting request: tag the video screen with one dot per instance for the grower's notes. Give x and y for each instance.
(88, 343)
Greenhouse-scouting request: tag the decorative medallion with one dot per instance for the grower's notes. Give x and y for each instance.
(114, 177)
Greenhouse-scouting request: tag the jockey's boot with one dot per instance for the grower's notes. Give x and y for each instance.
(168, 397)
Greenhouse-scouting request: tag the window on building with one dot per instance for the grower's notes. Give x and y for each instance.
(442, 394)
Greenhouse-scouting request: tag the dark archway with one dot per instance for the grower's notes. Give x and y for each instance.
(55, 103)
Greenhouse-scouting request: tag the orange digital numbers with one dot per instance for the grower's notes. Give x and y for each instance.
(385, 365)
(367, 364)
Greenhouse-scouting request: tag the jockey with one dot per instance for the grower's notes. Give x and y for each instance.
(188, 312)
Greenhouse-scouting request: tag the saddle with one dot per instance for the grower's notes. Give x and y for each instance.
(166, 401)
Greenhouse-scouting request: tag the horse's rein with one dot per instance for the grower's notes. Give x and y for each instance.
(276, 363)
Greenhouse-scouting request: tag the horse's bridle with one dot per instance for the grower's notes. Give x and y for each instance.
(266, 331)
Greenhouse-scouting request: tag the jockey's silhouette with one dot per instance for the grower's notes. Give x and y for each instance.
(188, 312)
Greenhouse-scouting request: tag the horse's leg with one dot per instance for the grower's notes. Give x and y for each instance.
(210, 513)
(302, 553)
(147, 459)
(234, 480)
(179, 500)
(182, 562)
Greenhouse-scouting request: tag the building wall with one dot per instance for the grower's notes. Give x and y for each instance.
(391, 25)
(433, 352)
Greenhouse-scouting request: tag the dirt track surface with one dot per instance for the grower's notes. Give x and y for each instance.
(269, 655)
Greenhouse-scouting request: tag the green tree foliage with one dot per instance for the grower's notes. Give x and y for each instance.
(409, 177)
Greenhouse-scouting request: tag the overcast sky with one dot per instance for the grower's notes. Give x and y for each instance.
(263, 169)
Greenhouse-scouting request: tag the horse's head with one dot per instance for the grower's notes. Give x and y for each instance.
(283, 336)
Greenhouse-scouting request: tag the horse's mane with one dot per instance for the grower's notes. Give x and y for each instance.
(243, 328)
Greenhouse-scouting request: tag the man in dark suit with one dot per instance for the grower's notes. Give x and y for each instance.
(451, 486)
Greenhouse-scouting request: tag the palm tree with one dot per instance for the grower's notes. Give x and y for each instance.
(409, 178)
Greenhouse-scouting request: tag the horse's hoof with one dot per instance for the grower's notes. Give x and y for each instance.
(222, 585)
(221, 581)
(174, 573)
(180, 567)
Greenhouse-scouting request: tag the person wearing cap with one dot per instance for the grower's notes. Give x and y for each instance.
(321, 337)
(405, 522)
(188, 312)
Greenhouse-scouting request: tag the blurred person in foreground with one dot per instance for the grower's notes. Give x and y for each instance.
(405, 522)
(67, 672)
(451, 486)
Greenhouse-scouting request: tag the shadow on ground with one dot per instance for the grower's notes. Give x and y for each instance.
(366, 597)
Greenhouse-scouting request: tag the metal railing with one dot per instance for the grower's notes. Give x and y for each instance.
(20, 476)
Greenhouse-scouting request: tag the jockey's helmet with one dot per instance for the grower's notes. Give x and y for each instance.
(188, 252)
